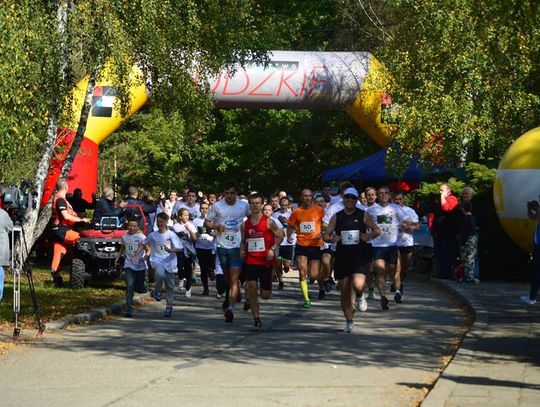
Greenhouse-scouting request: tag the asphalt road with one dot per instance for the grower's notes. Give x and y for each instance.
(301, 357)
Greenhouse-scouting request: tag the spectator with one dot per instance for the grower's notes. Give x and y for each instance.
(6, 226)
(533, 210)
(444, 230)
(106, 206)
(468, 237)
(79, 204)
(148, 207)
(467, 195)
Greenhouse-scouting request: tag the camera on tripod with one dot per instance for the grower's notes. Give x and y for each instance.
(17, 199)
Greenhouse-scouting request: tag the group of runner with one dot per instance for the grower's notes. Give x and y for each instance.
(360, 237)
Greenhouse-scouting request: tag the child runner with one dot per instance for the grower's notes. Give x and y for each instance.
(164, 245)
(134, 266)
(187, 233)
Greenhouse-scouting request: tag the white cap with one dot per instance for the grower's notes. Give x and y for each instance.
(351, 191)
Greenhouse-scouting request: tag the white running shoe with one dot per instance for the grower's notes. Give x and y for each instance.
(527, 300)
(362, 303)
(182, 284)
(348, 327)
(188, 293)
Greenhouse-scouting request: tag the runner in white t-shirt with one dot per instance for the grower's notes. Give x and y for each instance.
(387, 217)
(164, 244)
(187, 233)
(134, 266)
(286, 249)
(409, 224)
(226, 217)
(204, 245)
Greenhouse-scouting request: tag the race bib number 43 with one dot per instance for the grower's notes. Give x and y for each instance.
(231, 239)
(350, 237)
(307, 227)
(256, 245)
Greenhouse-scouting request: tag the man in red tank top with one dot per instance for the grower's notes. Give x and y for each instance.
(260, 239)
(63, 218)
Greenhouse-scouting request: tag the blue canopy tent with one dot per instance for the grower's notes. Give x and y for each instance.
(373, 168)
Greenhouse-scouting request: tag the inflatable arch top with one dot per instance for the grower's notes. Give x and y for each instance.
(290, 80)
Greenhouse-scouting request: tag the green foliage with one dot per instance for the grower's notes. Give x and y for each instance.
(479, 177)
(276, 149)
(466, 70)
(168, 39)
(28, 59)
(152, 151)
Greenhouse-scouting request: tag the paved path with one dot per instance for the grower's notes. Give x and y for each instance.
(300, 358)
(499, 361)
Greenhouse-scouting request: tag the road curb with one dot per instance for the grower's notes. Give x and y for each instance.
(461, 361)
(96, 314)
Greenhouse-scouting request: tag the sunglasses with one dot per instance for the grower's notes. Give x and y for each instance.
(350, 196)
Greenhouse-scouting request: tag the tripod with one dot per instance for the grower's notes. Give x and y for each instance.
(16, 268)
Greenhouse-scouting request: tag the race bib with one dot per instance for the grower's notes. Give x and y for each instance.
(131, 249)
(230, 239)
(350, 237)
(256, 245)
(160, 248)
(307, 227)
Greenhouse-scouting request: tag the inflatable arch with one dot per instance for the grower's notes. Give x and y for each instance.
(290, 80)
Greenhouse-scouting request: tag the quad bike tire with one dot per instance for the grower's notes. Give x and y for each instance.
(78, 273)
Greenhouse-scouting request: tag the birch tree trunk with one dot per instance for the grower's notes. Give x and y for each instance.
(34, 225)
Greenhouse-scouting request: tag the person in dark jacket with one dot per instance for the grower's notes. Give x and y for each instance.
(444, 230)
(533, 211)
(468, 237)
(148, 207)
(79, 204)
(106, 206)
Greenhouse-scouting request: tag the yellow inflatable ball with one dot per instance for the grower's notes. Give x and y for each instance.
(516, 183)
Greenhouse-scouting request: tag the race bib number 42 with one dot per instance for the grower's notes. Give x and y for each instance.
(350, 237)
(307, 227)
(256, 245)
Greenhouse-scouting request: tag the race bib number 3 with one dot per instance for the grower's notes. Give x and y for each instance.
(256, 245)
(307, 227)
(350, 237)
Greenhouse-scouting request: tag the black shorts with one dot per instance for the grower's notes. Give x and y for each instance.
(347, 266)
(311, 252)
(263, 274)
(405, 249)
(369, 251)
(388, 254)
(286, 252)
(327, 251)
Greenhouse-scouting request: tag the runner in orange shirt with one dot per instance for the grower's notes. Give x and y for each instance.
(306, 221)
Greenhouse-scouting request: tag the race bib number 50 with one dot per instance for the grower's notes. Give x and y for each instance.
(307, 227)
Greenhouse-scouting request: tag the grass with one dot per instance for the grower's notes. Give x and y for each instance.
(54, 302)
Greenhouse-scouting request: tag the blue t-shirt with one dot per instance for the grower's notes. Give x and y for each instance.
(537, 235)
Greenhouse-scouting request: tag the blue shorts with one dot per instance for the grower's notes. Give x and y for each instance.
(388, 254)
(229, 258)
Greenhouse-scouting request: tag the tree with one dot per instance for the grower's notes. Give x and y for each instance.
(464, 73)
(48, 46)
